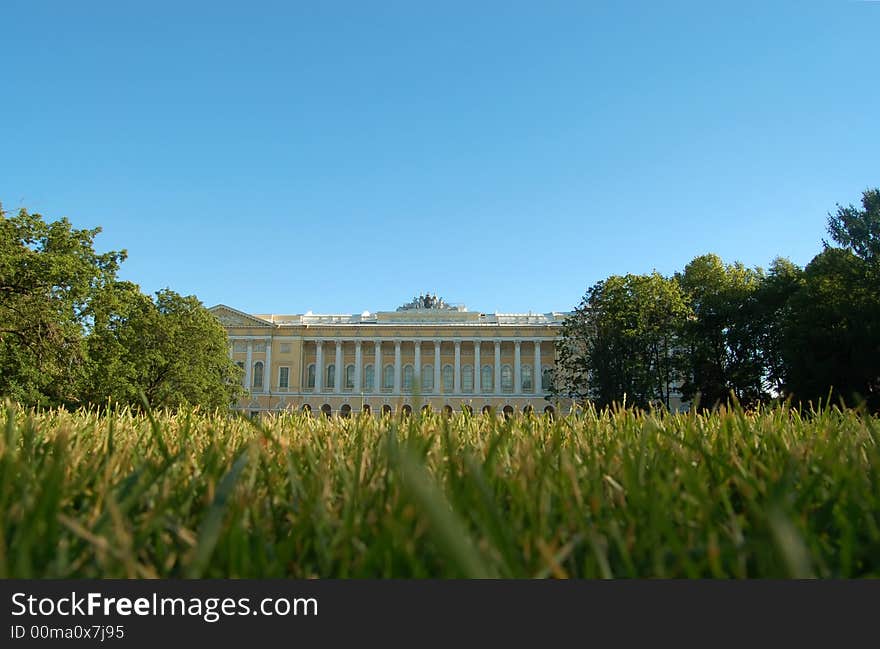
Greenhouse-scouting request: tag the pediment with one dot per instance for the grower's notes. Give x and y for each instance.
(230, 317)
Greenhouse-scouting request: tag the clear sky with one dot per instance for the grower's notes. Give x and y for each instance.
(342, 156)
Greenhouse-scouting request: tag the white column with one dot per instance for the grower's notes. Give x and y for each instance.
(517, 368)
(456, 381)
(339, 371)
(497, 367)
(478, 374)
(396, 367)
(358, 366)
(319, 366)
(377, 367)
(537, 374)
(249, 365)
(436, 366)
(417, 370)
(267, 371)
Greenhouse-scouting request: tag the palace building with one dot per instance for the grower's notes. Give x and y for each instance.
(427, 352)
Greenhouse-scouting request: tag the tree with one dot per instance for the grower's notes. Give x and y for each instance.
(171, 349)
(49, 272)
(720, 351)
(71, 334)
(832, 333)
(620, 342)
(772, 314)
(859, 230)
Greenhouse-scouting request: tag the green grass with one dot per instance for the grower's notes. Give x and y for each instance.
(614, 494)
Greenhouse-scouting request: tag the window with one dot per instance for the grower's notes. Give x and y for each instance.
(506, 378)
(428, 378)
(486, 380)
(546, 378)
(283, 377)
(239, 346)
(284, 348)
(388, 377)
(408, 378)
(258, 374)
(467, 378)
(260, 347)
(349, 377)
(331, 376)
(369, 378)
(447, 379)
(310, 376)
(526, 378)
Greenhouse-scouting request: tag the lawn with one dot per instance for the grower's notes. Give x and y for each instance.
(775, 493)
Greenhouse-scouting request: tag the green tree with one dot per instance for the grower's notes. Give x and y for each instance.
(171, 349)
(720, 351)
(858, 230)
(621, 341)
(832, 333)
(49, 272)
(772, 314)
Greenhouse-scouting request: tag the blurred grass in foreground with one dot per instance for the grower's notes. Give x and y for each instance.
(776, 493)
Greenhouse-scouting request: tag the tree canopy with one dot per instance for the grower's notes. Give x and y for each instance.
(796, 333)
(72, 334)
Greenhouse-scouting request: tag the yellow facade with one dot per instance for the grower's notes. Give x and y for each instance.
(427, 351)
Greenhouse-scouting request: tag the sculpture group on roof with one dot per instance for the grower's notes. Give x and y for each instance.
(426, 301)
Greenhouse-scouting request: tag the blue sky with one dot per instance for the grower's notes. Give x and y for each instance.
(342, 156)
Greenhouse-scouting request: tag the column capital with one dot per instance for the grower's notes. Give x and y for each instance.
(357, 344)
(437, 341)
(517, 343)
(457, 342)
(319, 342)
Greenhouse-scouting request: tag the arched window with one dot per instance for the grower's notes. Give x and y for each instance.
(345, 413)
(331, 376)
(508, 412)
(388, 377)
(447, 379)
(467, 378)
(369, 378)
(386, 410)
(326, 410)
(406, 411)
(427, 378)
(526, 378)
(486, 380)
(349, 377)
(546, 378)
(310, 376)
(258, 374)
(307, 409)
(408, 378)
(506, 378)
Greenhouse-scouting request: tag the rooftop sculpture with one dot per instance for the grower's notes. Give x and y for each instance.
(427, 301)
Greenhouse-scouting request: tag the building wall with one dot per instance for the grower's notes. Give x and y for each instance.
(291, 341)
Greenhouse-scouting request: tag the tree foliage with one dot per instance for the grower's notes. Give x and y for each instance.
(71, 334)
(621, 341)
(719, 353)
(49, 273)
(790, 333)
